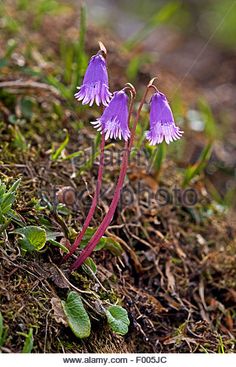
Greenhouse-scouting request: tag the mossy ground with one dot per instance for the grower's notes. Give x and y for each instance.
(176, 277)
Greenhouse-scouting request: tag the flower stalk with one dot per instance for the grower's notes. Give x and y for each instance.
(94, 202)
(114, 123)
(94, 89)
(124, 165)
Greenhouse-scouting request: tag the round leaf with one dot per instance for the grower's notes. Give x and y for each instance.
(118, 320)
(33, 238)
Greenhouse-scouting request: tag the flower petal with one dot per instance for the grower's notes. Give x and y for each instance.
(114, 120)
(95, 84)
(162, 125)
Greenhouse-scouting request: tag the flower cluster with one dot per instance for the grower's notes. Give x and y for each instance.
(114, 120)
(114, 124)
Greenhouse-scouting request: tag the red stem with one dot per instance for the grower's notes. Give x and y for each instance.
(108, 218)
(94, 202)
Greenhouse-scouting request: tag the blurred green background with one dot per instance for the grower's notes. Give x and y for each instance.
(214, 19)
(190, 45)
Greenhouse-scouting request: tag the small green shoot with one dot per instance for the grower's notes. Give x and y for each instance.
(73, 155)
(29, 342)
(7, 198)
(89, 266)
(208, 118)
(63, 89)
(135, 65)
(74, 61)
(196, 169)
(158, 155)
(63, 145)
(3, 331)
(58, 244)
(221, 347)
(80, 55)
(140, 140)
(18, 141)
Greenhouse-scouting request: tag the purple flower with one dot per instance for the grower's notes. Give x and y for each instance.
(162, 124)
(95, 83)
(114, 120)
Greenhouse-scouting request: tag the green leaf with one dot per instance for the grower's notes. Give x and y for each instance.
(3, 331)
(15, 186)
(113, 246)
(7, 198)
(19, 140)
(81, 58)
(62, 209)
(33, 238)
(157, 157)
(77, 316)
(73, 155)
(58, 152)
(199, 166)
(7, 202)
(105, 243)
(58, 85)
(165, 13)
(118, 320)
(58, 244)
(29, 341)
(136, 64)
(2, 189)
(208, 118)
(89, 265)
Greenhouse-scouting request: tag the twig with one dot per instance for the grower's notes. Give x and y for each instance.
(134, 257)
(29, 84)
(72, 285)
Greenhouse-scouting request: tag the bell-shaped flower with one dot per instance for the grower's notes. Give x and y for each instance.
(95, 83)
(114, 120)
(162, 124)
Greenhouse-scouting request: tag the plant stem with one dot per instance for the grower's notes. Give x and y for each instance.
(108, 218)
(94, 202)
